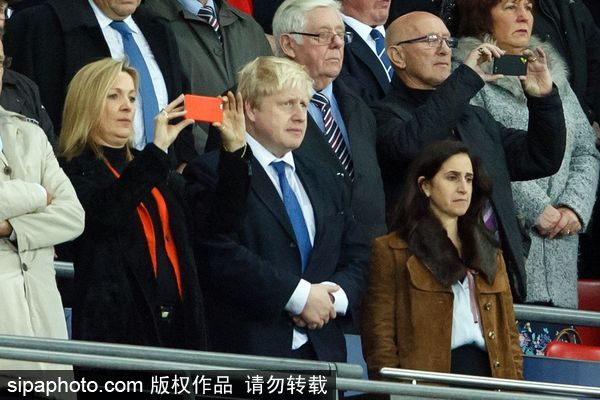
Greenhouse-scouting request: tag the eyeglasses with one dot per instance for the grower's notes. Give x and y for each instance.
(432, 40)
(327, 37)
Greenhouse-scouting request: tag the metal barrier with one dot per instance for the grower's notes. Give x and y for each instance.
(64, 269)
(185, 357)
(70, 352)
(491, 383)
(557, 315)
(435, 392)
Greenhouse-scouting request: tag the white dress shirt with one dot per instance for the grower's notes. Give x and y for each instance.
(298, 299)
(364, 31)
(464, 330)
(115, 44)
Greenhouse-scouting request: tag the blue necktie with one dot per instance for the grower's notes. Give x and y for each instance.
(380, 48)
(149, 101)
(294, 212)
(333, 133)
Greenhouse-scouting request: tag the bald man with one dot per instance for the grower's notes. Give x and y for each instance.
(429, 102)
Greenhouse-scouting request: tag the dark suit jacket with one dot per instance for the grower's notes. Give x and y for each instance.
(362, 71)
(409, 119)
(368, 200)
(250, 276)
(51, 42)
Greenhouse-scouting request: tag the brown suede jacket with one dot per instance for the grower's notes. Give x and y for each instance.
(407, 314)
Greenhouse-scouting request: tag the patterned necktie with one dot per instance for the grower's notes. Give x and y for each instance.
(207, 13)
(294, 212)
(333, 134)
(149, 101)
(380, 48)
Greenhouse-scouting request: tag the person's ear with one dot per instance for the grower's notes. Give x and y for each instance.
(396, 56)
(249, 111)
(287, 45)
(424, 185)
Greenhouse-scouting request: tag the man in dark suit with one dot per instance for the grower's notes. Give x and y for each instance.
(367, 69)
(49, 43)
(215, 41)
(341, 127)
(428, 103)
(299, 259)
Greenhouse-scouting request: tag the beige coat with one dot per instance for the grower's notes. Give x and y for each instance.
(31, 303)
(407, 315)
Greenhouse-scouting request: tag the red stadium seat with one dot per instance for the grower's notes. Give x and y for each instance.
(589, 300)
(573, 351)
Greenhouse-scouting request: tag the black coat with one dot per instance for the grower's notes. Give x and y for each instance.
(362, 71)
(21, 95)
(251, 275)
(49, 43)
(445, 9)
(114, 296)
(407, 123)
(569, 26)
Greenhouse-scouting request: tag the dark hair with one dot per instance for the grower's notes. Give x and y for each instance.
(414, 206)
(475, 16)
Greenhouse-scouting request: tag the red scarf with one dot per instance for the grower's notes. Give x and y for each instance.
(150, 233)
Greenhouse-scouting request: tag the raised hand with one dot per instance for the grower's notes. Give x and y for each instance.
(165, 133)
(538, 82)
(233, 127)
(484, 53)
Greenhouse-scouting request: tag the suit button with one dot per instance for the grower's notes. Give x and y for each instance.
(293, 245)
(25, 267)
(7, 170)
(492, 335)
(497, 364)
(218, 51)
(487, 306)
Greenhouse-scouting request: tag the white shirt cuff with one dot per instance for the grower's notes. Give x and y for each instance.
(298, 300)
(341, 299)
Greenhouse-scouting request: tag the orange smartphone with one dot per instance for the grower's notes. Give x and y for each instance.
(203, 108)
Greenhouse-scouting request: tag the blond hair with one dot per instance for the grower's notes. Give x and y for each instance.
(268, 75)
(84, 103)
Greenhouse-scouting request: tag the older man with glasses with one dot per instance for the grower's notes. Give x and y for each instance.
(429, 102)
(341, 127)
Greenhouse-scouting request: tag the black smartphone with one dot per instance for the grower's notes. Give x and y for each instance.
(511, 65)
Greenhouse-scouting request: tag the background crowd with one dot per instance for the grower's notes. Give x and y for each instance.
(372, 173)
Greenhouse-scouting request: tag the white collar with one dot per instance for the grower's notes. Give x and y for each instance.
(363, 30)
(104, 21)
(264, 157)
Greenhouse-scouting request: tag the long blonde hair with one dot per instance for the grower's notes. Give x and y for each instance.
(86, 97)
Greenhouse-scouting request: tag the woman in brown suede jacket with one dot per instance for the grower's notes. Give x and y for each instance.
(419, 311)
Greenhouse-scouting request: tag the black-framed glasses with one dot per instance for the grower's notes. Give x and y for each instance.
(433, 40)
(326, 37)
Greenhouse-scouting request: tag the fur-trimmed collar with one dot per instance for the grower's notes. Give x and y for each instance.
(429, 242)
(558, 68)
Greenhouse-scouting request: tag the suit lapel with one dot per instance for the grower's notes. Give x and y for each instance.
(263, 188)
(363, 52)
